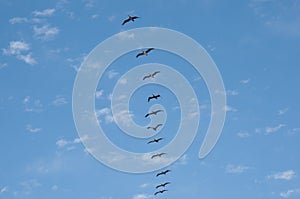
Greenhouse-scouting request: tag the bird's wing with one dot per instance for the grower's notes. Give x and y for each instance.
(150, 142)
(159, 139)
(149, 49)
(158, 125)
(158, 186)
(147, 115)
(125, 21)
(156, 193)
(149, 98)
(135, 17)
(149, 127)
(140, 54)
(156, 72)
(147, 76)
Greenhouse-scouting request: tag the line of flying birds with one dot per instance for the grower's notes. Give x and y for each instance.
(152, 113)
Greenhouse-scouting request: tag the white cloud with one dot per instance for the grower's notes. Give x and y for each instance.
(45, 32)
(54, 188)
(69, 143)
(282, 111)
(141, 196)
(32, 105)
(235, 169)
(44, 13)
(126, 35)
(112, 74)
(289, 192)
(27, 59)
(59, 101)
(18, 20)
(274, 129)
(89, 3)
(285, 175)
(232, 92)
(3, 65)
(229, 109)
(123, 81)
(4, 189)
(16, 47)
(144, 185)
(243, 134)
(245, 81)
(32, 129)
(183, 160)
(99, 94)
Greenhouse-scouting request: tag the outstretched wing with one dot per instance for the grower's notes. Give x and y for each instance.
(155, 73)
(135, 17)
(140, 54)
(147, 76)
(150, 141)
(125, 21)
(158, 125)
(149, 49)
(147, 115)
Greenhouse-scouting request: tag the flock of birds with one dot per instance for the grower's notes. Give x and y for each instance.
(160, 188)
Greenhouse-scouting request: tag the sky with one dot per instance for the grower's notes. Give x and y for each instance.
(255, 45)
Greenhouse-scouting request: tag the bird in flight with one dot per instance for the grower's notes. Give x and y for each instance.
(153, 113)
(144, 52)
(151, 75)
(155, 127)
(161, 191)
(130, 18)
(157, 155)
(153, 97)
(163, 173)
(154, 140)
(162, 185)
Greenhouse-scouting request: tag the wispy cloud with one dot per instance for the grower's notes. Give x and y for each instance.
(285, 175)
(111, 74)
(58, 101)
(32, 129)
(141, 196)
(282, 111)
(32, 105)
(3, 65)
(245, 81)
(29, 185)
(17, 20)
(236, 169)
(99, 94)
(69, 144)
(288, 193)
(243, 134)
(106, 113)
(45, 32)
(4, 189)
(44, 13)
(144, 185)
(230, 109)
(269, 130)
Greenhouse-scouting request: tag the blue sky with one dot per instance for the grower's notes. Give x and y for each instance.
(255, 44)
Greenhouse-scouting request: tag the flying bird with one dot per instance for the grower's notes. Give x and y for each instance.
(155, 127)
(153, 97)
(163, 173)
(144, 52)
(151, 75)
(130, 18)
(161, 191)
(157, 155)
(162, 185)
(154, 140)
(153, 113)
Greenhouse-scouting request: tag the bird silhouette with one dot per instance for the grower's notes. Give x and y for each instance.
(155, 127)
(163, 173)
(157, 155)
(162, 185)
(130, 18)
(154, 140)
(153, 113)
(161, 191)
(153, 97)
(144, 52)
(151, 75)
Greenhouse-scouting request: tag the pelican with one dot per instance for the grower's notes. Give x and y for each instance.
(151, 75)
(157, 155)
(130, 18)
(153, 113)
(144, 52)
(163, 173)
(161, 191)
(154, 140)
(153, 97)
(154, 128)
(162, 185)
